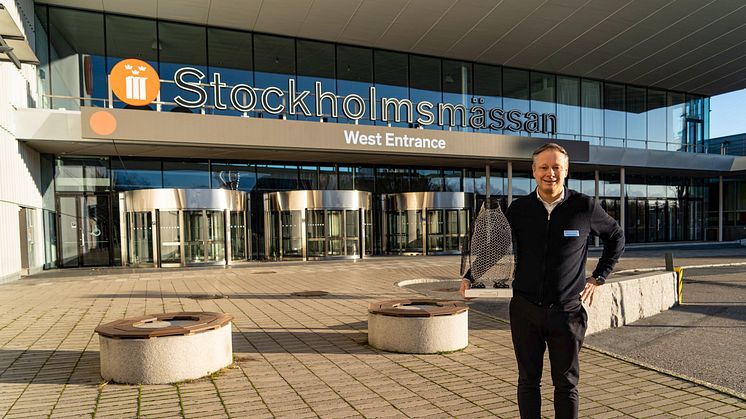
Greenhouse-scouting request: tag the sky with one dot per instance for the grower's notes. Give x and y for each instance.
(728, 114)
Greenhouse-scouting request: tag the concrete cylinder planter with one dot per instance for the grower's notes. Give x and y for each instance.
(165, 348)
(418, 326)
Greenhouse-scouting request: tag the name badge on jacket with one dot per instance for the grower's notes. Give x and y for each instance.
(572, 233)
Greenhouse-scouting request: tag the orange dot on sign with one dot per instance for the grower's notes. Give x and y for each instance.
(103, 123)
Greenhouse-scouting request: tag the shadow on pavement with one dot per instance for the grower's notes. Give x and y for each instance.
(42, 366)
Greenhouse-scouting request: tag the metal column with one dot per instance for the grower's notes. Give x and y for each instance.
(720, 208)
(510, 182)
(622, 203)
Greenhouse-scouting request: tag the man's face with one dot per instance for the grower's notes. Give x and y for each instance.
(550, 171)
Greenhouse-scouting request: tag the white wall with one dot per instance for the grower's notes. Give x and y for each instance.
(20, 173)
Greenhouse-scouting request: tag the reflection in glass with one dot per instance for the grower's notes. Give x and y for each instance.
(238, 235)
(186, 174)
(488, 88)
(391, 81)
(230, 54)
(170, 235)
(215, 243)
(180, 45)
(592, 116)
(194, 237)
(568, 108)
(139, 225)
(614, 121)
(274, 64)
(78, 56)
(355, 76)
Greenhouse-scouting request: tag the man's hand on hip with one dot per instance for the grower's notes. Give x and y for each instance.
(589, 291)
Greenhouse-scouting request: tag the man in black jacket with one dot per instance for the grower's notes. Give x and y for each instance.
(550, 231)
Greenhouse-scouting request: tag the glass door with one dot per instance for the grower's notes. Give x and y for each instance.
(352, 232)
(194, 237)
(140, 232)
(215, 244)
(170, 235)
(238, 235)
(435, 231)
(316, 241)
(69, 222)
(84, 230)
(335, 232)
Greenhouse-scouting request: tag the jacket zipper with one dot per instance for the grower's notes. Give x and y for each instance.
(544, 265)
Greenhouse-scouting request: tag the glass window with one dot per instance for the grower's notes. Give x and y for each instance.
(675, 121)
(488, 93)
(41, 40)
(424, 83)
(656, 117)
(328, 177)
(230, 56)
(277, 177)
(542, 100)
(186, 174)
(75, 174)
(78, 58)
(614, 108)
(129, 174)
(316, 64)
(568, 108)
(392, 180)
(636, 117)
(391, 78)
(180, 45)
(498, 182)
(523, 183)
(592, 117)
(457, 90)
(274, 65)
(453, 180)
(234, 176)
(364, 179)
(516, 95)
(354, 77)
(130, 37)
(309, 177)
(346, 178)
(424, 180)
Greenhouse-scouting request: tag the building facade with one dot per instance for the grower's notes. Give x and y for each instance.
(394, 147)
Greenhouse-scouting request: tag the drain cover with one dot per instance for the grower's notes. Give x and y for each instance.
(309, 294)
(207, 296)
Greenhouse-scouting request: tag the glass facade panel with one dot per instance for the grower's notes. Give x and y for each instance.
(272, 177)
(234, 176)
(636, 117)
(129, 174)
(186, 174)
(592, 116)
(424, 83)
(354, 77)
(614, 113)
(316, 64)
(568, 108)
(229, 58)
(391, 80)
(488, 93)
(656, 119)
(457, 91)
(78, 58)
(515, 95)
(180, 45)
(131, 37)
(542, 97)
(676, 111)
(274, 65)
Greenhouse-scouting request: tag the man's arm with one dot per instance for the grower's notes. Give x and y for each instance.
(612, 235)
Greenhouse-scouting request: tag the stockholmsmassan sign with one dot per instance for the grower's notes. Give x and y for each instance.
(288, 100)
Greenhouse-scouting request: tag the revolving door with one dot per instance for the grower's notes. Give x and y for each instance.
(183, 227)
(317, 225)
(426, 223)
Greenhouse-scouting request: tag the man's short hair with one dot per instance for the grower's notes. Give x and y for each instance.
(549, 146)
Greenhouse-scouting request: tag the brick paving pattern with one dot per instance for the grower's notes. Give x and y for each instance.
(294, 356)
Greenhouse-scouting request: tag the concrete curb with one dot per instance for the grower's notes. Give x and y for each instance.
(712, 265)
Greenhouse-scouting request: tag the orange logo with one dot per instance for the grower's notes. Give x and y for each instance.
(135, 82)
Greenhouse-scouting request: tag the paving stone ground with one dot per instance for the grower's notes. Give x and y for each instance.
(295, 356)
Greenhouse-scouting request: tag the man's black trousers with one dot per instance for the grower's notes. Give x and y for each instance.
(561, 328)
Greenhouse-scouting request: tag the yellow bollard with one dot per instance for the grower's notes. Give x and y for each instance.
(680, 282)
